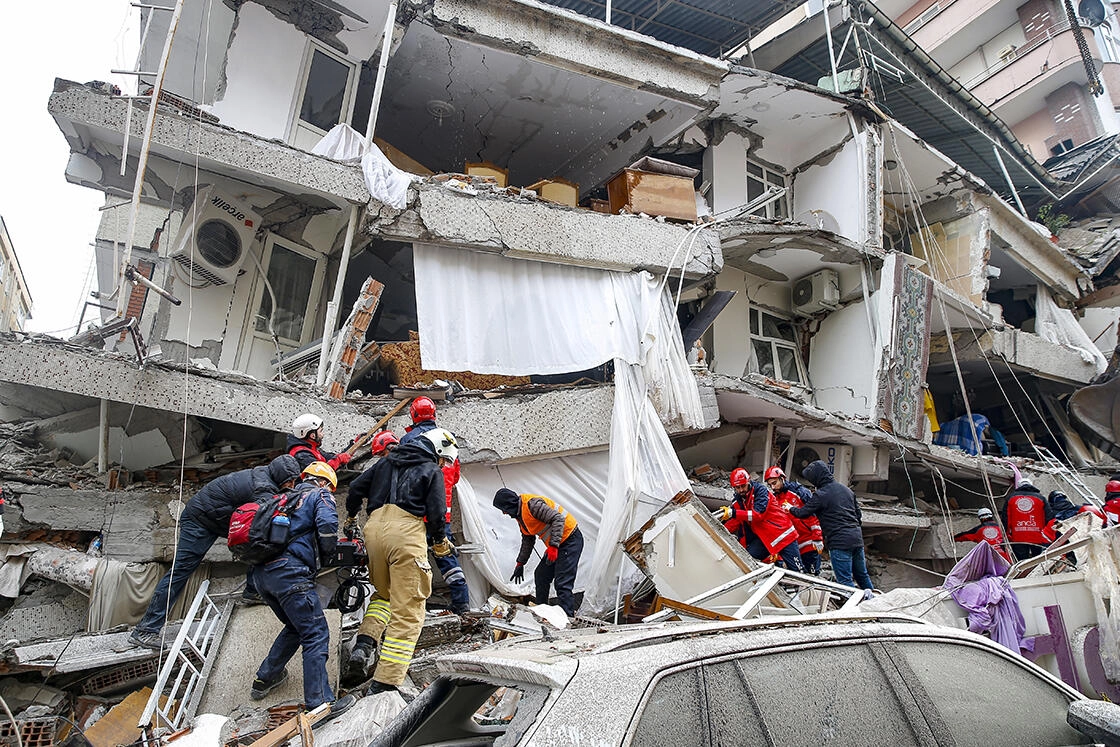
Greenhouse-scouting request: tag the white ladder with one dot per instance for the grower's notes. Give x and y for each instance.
(1070, 476)
(182, 678)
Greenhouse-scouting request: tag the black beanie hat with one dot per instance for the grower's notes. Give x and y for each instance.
(507, 501)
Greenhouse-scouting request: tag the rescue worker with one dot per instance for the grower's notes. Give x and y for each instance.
(542, 517)
(305, 443)
(1061, 509)
(1112, 500)
(841, 523)
(401, 491)
(205, 519)
(383, 443)
(792, 494)
(423, 414)
(287, 585)
(986, 531)
(772, 532)
(1025, 514)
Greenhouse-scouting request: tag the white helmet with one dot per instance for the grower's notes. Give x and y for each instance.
(306, 423)
(985, 514)
(443, 443)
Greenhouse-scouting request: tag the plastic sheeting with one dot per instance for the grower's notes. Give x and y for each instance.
(1102, 571)
(491, 314)
(1058, 325)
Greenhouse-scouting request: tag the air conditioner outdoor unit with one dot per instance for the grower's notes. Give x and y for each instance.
(1007, 52)
(215, 236)
(817, 292)
(838, 457)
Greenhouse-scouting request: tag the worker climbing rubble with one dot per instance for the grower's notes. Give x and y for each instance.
(401, 492)
(841, 523)
(205, 518)
(986, 531)
(307, 530)
(305, 443)
(1025, 514)
(792, 494)
(538, 516)
(762, 525)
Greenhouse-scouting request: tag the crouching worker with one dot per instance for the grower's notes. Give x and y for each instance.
(402, 491)
(987, 530)
(287, 585)
(542, 517)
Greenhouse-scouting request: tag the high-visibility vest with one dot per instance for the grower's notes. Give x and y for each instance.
(1026, 519)
(532, 525)
(774, 526)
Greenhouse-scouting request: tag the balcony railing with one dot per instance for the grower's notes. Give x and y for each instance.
(1017, 52)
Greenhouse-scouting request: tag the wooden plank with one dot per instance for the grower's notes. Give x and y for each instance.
(401, 160)
(365, 439)
(118, 726)
(662, 604)
(289, 728)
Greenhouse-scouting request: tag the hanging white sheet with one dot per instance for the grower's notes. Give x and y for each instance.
(490, 314)
(1058, 325)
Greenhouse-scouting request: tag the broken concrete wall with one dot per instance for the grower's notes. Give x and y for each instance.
(844, 361)
(955, 253)
(833, 193)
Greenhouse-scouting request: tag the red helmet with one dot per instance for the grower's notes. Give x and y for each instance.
(422, 409)
(1112, 487)
(383, 441)
(739, 476)
(772, 472)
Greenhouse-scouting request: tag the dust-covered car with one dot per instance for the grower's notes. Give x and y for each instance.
(795, 681)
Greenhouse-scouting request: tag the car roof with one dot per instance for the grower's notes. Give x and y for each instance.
(551, 660)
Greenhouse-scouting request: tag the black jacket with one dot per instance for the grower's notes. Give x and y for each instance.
(419, 491)
(213, 506)
(836, 507)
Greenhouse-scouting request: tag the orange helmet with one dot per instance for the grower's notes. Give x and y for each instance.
(772, 472)
(422, 408)
(382, 441)
(739, 476)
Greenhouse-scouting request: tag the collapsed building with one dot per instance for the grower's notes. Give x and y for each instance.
(554, 211)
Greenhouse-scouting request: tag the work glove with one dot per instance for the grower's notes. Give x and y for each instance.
(723, 513)
(518, 574)
(819, 546)
(344, 459)
(551, 553)
(786, 507)
(443, 548)
(350, 528)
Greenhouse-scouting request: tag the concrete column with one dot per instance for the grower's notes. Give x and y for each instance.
(103, 438)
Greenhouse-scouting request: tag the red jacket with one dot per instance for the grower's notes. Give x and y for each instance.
(299, 446)
(1026, 519)
(774, 526)
(1112, 508)
(989, 532)
(450, 478)
(808, 529)
(1089, 508)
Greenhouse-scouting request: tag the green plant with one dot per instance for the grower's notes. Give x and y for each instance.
(1054, 221)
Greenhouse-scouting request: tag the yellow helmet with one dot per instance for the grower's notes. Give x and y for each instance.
(324, 470)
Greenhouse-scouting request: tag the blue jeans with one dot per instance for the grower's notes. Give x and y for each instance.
(456, 581)
(195, 541)
(847, 563)
(288, 588)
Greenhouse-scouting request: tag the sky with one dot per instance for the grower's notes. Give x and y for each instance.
(52, 222)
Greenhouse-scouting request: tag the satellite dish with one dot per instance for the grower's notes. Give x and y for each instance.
(1092, 11)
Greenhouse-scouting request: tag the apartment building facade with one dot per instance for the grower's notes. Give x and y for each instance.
(15, 303)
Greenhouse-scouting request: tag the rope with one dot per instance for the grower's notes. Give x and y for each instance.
(1095, 86)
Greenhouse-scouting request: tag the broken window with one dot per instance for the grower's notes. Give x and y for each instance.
(760, 179)
(774, 348)
(291, 276)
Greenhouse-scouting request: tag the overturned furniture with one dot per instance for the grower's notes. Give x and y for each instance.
(702, 572)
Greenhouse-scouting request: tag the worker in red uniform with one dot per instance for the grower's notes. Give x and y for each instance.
(305, 443)
(1112, 500)
(1025, 514)
(792, 494)
(383, 443)
(772, 532)
(986, 531)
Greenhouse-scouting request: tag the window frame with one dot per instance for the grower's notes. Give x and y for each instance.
(308, 332)
(778, 208)
(296, 125)
(775, 343)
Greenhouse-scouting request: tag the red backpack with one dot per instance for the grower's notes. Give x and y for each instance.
(253, 538)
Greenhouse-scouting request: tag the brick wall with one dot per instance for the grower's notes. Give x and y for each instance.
(1036, 16)
(139, 293)
(1073, 114)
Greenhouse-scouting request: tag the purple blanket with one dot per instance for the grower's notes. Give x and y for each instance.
(978, 585)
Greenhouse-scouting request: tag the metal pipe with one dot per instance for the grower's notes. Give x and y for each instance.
(1010, 184)
(142, 162)
(831, 53)
(351, 226)
(103, 438)
(608, 17)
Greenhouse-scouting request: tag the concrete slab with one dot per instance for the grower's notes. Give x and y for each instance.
(50, 612)
(248, 637)
(81, 653)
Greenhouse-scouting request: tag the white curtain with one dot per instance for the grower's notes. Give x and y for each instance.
(486, 313)
(1057, 325)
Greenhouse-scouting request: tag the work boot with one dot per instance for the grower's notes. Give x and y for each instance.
(380, 687)
(263, 687)
(339, 707)
(461, 609)
(358, 663)
(152, 639)
(249, 599)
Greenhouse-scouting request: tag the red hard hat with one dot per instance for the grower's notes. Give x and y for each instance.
(739, 476)
(772, 472)
(422, 409)
(382, 441)
(1112, 487)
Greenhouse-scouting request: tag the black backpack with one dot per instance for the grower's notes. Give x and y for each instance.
(251, 537)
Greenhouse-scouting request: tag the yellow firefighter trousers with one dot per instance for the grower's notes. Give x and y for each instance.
(402, 579)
